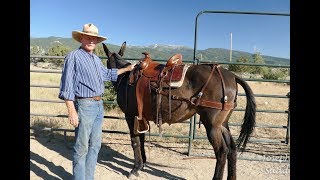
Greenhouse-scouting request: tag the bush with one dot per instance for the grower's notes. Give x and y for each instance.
(258, 70)
(58, 50)
(275, 73)
(109, 95)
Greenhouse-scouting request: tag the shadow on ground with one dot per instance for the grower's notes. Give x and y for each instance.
(107, 158)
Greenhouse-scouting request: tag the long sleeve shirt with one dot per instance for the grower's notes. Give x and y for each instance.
(83, 75)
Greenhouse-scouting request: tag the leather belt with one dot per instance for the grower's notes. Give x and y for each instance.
(96, 98)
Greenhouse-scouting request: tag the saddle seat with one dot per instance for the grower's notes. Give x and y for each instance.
(171, 71)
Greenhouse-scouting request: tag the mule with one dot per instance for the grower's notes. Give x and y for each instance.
(223, 83)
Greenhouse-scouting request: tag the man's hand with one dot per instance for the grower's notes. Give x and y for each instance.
(72, 113)
(126, 69)
(73, 119)
(131, 67)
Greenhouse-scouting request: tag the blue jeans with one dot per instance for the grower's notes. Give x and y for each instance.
(87, 138)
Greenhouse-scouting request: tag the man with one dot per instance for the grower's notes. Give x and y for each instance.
(81, 87)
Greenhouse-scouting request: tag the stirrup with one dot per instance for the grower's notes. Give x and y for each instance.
(140, 126)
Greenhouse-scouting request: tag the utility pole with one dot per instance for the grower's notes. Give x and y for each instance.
(230, 46)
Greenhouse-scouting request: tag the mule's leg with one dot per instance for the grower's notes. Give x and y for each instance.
(212, 120)
(232, 155)
(221, 151)
(142, 149)
(136, 146)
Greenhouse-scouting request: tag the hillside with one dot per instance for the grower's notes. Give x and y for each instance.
(159, 52)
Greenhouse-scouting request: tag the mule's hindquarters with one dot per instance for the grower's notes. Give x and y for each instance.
(222, 89)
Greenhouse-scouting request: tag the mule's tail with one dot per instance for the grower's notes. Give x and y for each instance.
(249, 120)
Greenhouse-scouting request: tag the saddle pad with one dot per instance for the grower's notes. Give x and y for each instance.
(176, 84)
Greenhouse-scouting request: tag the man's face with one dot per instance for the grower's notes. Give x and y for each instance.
(88, 42)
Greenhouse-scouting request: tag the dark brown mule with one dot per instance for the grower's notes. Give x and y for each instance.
(214, 119)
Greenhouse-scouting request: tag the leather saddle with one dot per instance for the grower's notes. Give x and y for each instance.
(151, 74)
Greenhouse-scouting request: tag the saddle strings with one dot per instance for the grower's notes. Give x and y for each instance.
(169, 98)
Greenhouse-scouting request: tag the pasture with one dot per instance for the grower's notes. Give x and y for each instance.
(161, 148)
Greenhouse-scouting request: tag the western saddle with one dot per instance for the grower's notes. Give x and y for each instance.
(150, 75)
(153, 75)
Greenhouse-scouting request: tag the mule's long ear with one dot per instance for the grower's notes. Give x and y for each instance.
(106, 50)
(122, 49)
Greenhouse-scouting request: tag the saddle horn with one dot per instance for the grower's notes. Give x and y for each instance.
(146, 54)
(145, 61)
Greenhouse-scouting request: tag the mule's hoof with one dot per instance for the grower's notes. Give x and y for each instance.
(133, 174)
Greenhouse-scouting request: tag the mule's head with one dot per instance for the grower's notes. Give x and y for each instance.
(115, 60)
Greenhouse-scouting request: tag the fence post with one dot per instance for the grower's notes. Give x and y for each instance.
(288, 122)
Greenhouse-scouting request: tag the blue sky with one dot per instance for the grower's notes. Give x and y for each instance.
(171, 22)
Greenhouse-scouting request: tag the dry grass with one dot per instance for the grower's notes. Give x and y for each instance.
(279, 119)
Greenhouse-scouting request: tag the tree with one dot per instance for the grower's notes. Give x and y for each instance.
(36, 50)
(257, 59)
(240, 68)
(58, 50)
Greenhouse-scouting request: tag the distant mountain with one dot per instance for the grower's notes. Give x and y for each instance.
(51, 41)
(160, 52)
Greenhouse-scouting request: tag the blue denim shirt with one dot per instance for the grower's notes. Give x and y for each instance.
(83, 75)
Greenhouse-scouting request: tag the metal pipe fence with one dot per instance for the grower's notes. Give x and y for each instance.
(192, 135)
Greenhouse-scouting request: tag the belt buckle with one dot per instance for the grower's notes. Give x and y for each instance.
(96, 98)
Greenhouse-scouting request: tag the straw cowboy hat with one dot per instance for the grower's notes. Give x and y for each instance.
(90, 30)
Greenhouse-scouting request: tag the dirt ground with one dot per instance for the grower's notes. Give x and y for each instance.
(51, 158)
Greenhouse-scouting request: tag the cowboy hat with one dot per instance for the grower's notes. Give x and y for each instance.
(89, 30)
